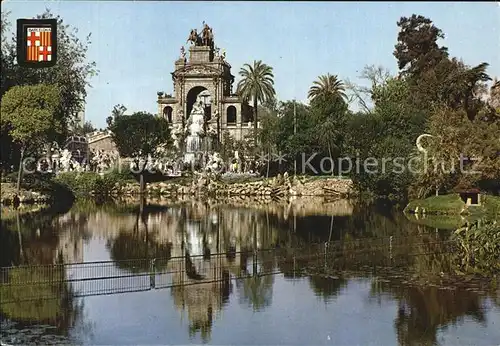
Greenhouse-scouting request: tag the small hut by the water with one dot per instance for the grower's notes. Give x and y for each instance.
(471, 197)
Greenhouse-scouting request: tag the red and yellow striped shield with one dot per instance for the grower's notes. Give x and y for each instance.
(39, 45)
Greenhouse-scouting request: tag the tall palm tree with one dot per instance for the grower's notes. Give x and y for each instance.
(257, 84)
(327, 85)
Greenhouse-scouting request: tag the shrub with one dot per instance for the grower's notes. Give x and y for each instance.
(122, 175)
(79, 183)
(86, 183)
(479, 248)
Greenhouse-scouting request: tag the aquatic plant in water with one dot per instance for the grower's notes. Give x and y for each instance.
(479, 248)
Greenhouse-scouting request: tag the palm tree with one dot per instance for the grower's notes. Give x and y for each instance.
(327, 85)
(257, 83)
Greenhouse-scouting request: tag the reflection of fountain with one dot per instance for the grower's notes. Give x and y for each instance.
(194, 243)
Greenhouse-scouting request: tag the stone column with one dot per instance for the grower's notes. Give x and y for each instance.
(239, 122)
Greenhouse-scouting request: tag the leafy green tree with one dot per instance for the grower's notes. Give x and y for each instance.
(267, 134)
(437, 80)
(327, 85)
(329, 114)
(257, 84)
(292, 142)
(452, 84)
(456, 136)
(85, 129)
(140, 135)
(88, 128)
(228, 146)
(7, 61)
(388, 133)
(417, 49)
(28, 112)
(117, 111)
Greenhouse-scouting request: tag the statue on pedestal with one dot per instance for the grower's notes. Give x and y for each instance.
(183, 54)
(194, 38)
(177, 135)
(66, 160)
(215, 163)
(207, 35)
(197, 117)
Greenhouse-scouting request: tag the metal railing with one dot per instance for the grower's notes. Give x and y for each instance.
(112, 277)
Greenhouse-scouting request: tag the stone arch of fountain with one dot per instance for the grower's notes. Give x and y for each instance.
(191, 98)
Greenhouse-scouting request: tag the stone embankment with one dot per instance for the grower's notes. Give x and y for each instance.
(10, 196)
(280, 186)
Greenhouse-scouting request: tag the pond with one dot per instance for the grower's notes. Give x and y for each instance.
(235, 272)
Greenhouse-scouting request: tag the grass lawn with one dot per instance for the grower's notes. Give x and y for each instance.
(452, 204)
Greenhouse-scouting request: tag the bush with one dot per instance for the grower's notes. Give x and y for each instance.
(42, 183)
(79, 183)
(86, 183)
(479, 248)
(122, 175)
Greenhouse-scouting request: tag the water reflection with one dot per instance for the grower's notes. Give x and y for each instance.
(182, 238)
(327, 287)
(424, 312)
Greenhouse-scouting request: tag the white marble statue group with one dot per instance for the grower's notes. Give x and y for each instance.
(58, 160)
(101, 160)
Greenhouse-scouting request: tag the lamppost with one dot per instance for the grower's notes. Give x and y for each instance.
(205, 98)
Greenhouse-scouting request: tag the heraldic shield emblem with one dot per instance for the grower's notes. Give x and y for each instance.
(37, 42)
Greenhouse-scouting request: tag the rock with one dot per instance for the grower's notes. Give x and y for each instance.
(280, 186)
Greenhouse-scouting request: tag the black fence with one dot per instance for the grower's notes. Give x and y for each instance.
(112, 277)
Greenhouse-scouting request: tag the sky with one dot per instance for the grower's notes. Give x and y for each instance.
(135, 43)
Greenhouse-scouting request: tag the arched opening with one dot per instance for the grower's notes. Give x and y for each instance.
(191, 98)
(205, 97)
(246, 113)
(167, 113)
(231, 115)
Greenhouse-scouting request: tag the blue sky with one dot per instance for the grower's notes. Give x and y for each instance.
(135, 43)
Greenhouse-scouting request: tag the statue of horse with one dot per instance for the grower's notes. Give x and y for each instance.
(207, 35)
(193, 37)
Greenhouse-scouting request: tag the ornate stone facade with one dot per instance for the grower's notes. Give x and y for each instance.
(206, 71)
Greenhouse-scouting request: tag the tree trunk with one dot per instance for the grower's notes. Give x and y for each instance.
(268, 162)
(141, 179)
(20, 171)
(255, 122)
(141, 182)
(330, 153)
(141, 209)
